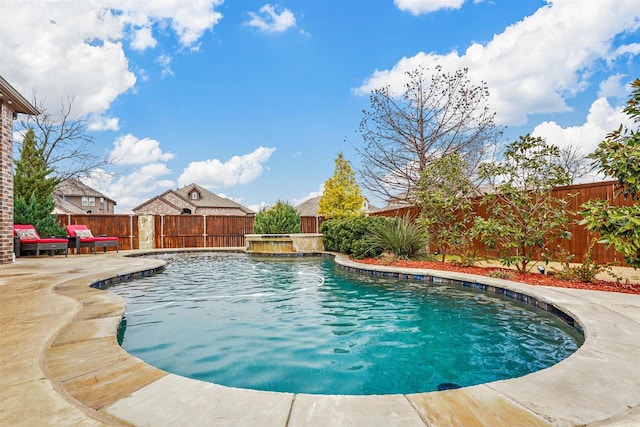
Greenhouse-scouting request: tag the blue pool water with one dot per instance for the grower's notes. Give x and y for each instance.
(303, 325)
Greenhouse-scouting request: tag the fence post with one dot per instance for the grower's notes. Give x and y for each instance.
(204, 232)
(131, 235)
(146, 232)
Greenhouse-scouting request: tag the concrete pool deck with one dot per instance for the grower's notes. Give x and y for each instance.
(60, 365)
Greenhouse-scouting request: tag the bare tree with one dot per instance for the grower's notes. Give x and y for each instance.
(575, 162)
(404, 133)
(64, 140)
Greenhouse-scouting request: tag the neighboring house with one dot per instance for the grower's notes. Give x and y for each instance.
(74, 197)
(311, 207)
(11, 104)
(191, 199)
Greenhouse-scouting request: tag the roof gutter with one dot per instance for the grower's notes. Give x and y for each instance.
(14, 100)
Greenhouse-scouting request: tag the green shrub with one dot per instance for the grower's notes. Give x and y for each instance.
(38, 214)
(281, 218)
(351, 236)
(400, 237)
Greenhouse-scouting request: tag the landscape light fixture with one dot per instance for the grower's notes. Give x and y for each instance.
(541, 269)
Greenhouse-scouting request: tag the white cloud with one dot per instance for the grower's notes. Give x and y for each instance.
(129, 150)
(143, 39)
(418, 7)
(536, 63)
(213, 173)
(134, 188)
(165, 64)
(98, 122)
(613, 87)
(602, 119)
(631, 49)
(259, 206)
(154, 170)
(75, 47)
(189, 19)
(270, 21)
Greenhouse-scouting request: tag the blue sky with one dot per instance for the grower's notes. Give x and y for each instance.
(254, 100)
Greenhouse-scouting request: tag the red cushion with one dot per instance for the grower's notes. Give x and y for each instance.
(71, 232)
(105, 239)
(98, 239)
(48, 240)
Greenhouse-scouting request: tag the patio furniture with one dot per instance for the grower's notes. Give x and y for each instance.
(25, 238)
(81, 237)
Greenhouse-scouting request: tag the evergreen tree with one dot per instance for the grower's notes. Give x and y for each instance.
(32, 175)
(282, 218)
(342, 197)
(37, 213)
(33, 188)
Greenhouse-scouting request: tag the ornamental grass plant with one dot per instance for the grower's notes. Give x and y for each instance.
(400, 237)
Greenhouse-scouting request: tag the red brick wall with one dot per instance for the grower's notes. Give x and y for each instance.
(6, 184)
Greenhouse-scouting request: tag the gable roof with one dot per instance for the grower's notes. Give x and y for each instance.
(75, 188)
(206, 199)
(311, 207)
(65, 207)
(162, 198)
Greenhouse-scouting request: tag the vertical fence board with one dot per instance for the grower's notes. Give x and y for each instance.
(311, 224)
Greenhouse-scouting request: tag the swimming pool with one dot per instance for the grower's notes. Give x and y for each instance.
(301, 325)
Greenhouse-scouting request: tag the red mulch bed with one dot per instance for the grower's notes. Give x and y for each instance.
(529, 278)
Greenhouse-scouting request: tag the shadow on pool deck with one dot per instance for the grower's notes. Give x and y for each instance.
(61, 365)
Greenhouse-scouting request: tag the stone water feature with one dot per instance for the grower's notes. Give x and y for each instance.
(292, 244)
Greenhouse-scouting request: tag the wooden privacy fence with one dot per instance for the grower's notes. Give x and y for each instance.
(580, 237)
(204, 231)
(178, 231)
(311, 224)
(201, 231)
(169, 231)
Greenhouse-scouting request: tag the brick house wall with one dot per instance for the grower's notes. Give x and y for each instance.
(178, 202)
(6, 184)
(158, 207)
(11, 103)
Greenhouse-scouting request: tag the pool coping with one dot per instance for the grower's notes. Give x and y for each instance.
(81, 368)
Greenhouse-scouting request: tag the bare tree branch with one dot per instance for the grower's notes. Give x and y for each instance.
(64, 140)
(402, 134)
(575, 163)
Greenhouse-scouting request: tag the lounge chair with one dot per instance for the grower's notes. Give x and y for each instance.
(26, 238)
(81, 237)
